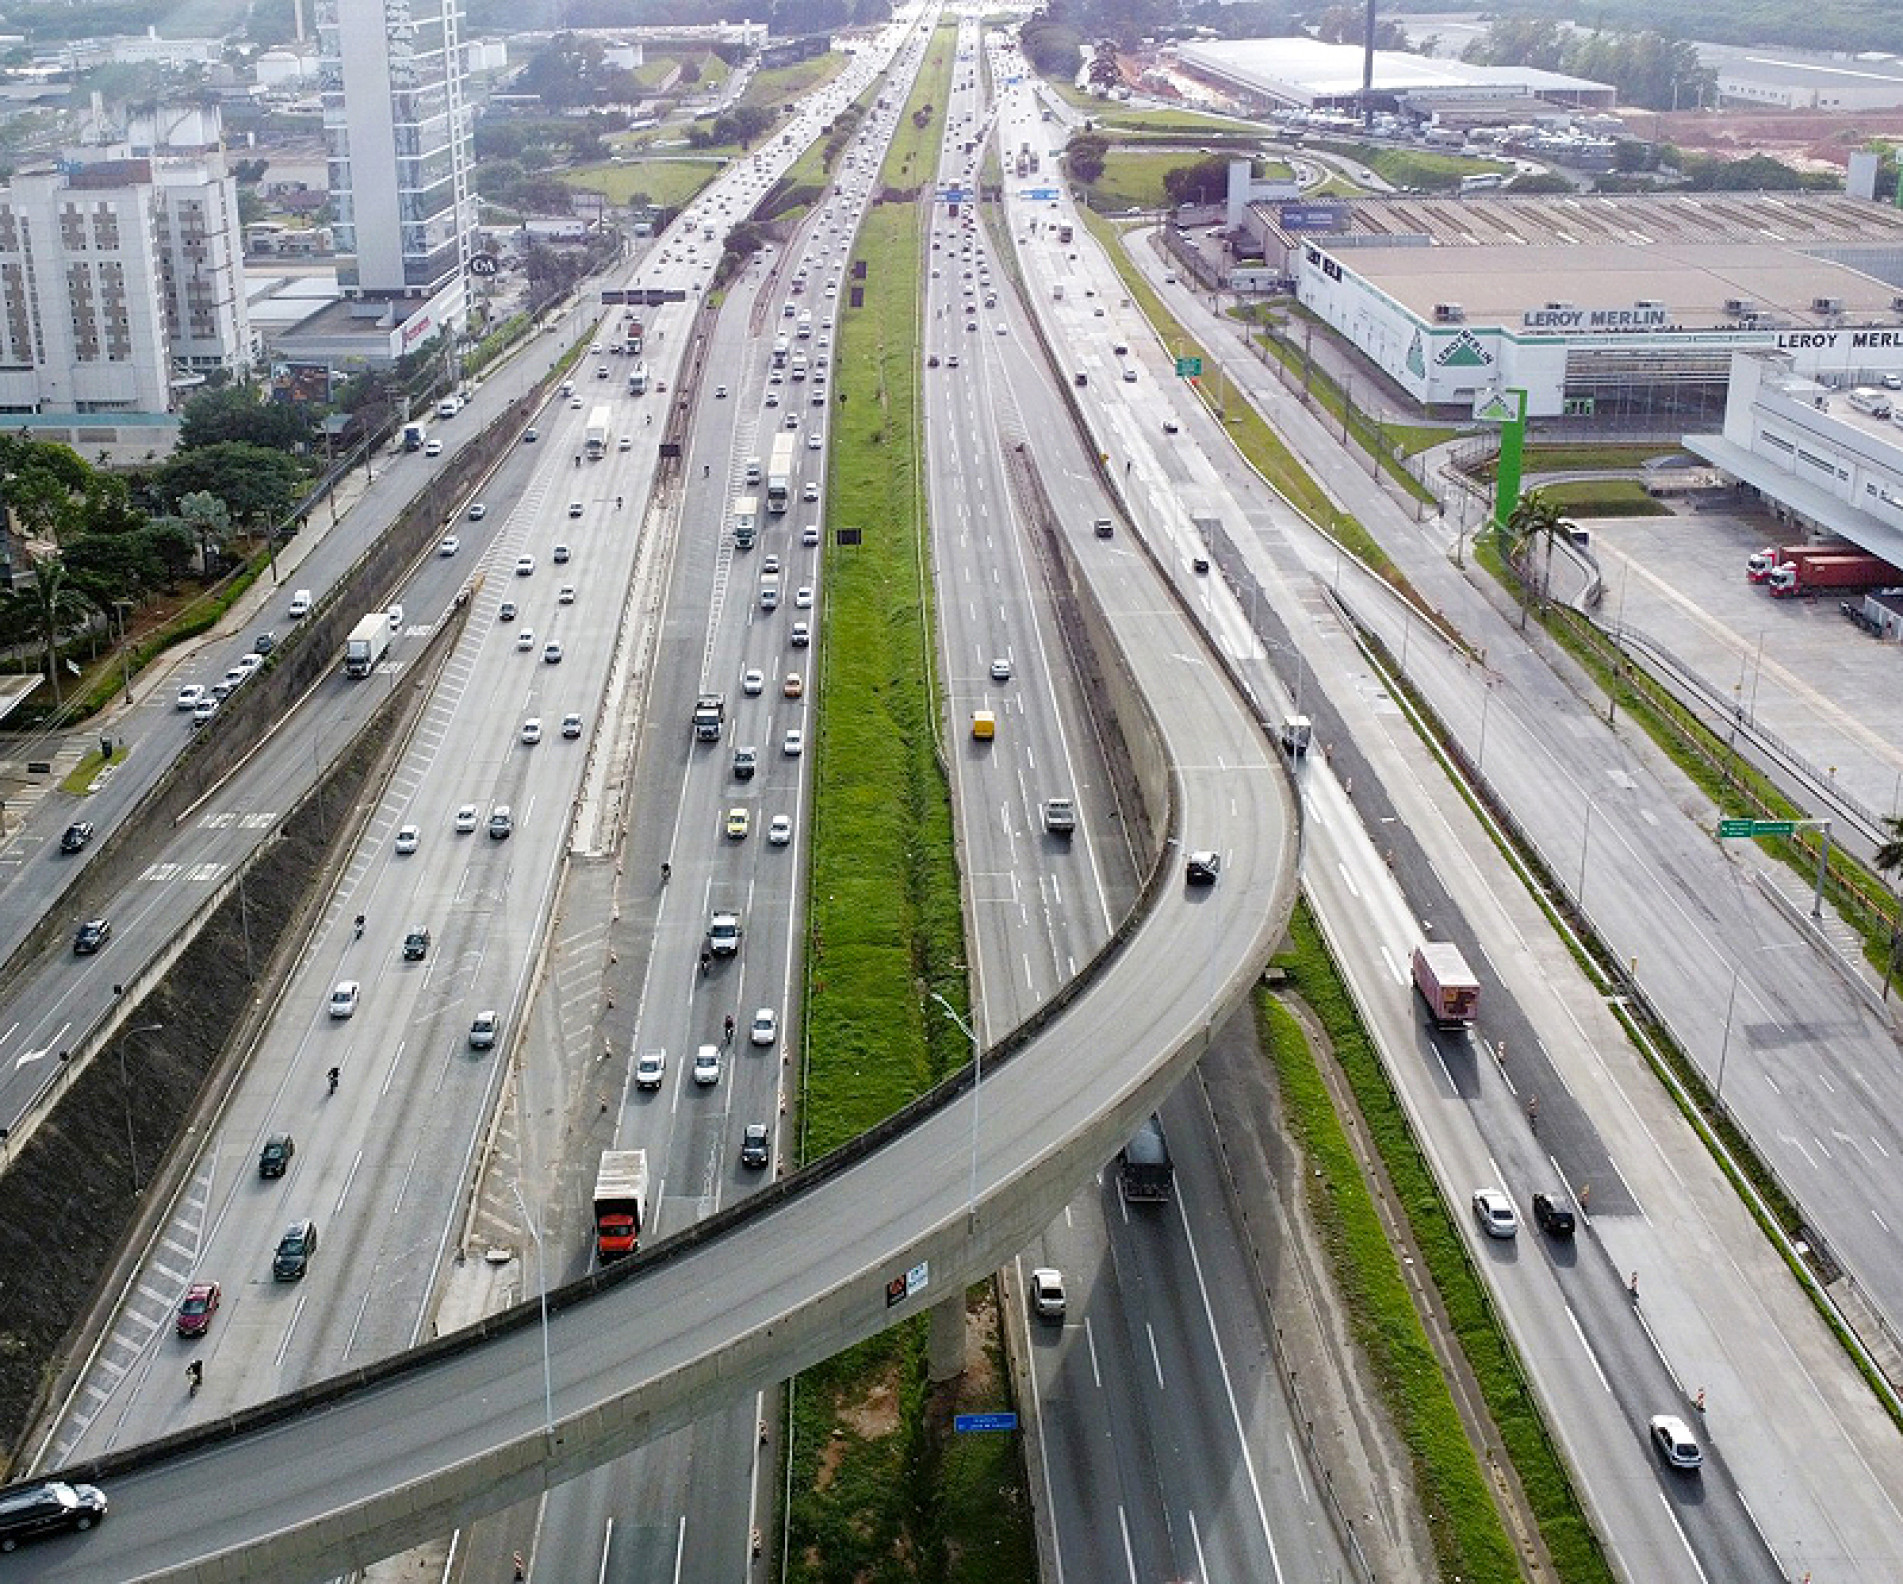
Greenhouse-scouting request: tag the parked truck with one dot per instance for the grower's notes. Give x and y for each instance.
(1446, 984)
(621, 1203)
(595, 441)
(1760, 564)
(1816, 573)
(414, 434)
(369, 642)
(710, 709)
(1143, 1167)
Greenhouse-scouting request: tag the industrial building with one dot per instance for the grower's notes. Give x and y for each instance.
(1616, 308)
(1271, 74)
(1826, 461)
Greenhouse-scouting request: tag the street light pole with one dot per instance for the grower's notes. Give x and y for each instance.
(977, 1079)
(541, 1268)
(125, 1095)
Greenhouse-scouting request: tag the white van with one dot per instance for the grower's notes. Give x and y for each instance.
(300, 604)
(1873, 402)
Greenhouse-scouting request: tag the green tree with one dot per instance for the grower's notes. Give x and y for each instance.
(236, 414)
(1347, 24)
(47, 606)
(1085, 156)
(208, 520)
(258, 486)
(1105, 74)
(1203, 182)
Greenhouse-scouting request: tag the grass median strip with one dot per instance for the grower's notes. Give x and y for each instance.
(1468, 1534)
(880, 1487)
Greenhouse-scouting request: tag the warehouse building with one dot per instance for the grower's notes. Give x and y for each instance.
(1305, 74)
(1626, 309)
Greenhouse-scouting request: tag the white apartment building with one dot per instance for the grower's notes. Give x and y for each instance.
(120, 273)
(398, 135)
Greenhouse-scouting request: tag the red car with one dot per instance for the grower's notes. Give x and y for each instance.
(201, 1303)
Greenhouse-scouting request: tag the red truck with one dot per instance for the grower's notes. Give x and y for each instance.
(1446, 984)
(1759, 566)
(621, 1203)
(1815, 572)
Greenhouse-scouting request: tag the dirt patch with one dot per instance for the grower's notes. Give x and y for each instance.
(1814, 139)
(876, 1414)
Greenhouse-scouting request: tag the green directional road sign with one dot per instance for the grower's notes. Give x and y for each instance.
(1750, 827)
(1189, 368)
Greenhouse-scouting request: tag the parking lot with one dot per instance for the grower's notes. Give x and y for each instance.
(1797, 666)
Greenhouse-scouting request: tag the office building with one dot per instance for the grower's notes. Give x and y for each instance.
(397, 133)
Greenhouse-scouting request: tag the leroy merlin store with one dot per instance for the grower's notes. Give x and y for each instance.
(1622, 311)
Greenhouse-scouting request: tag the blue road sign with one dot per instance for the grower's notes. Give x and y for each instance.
(989, 1421)
(1039, 194)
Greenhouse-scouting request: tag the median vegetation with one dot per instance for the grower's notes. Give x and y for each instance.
(1457, 1497)
(879, 1486)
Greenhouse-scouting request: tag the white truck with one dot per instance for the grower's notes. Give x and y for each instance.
(779, 473)
(595, 441)
(621, 1203)
(369, 642)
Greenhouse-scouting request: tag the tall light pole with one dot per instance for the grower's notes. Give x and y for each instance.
(977, 1079)
(125, 1093)
(541, 1267)
(1585, 840)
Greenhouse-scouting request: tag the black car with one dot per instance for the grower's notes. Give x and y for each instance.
(1203, 867)
(52, 1508)
(275, 1158)
(416, 944)
(754, 1149)
(1553, 1215)
(266, 642)
(294, 1253)
(93, 934)
(76, 836)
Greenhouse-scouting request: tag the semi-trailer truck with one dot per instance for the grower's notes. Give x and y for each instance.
(369, 642)
(1815, 573)
(621, 1203)
(595, 441)
(1446, 984)
(1144, 1167)
(1760, 564)
(710, 709)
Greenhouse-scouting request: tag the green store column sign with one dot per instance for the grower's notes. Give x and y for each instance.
(1507, 409)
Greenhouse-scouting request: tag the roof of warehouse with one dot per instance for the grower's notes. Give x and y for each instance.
(1498, 257)
(1308, 67)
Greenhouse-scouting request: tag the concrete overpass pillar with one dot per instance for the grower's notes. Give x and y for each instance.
(945, 1345)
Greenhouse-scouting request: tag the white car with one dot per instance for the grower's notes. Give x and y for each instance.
(1675, 1441)
(707, 1065)
(407, 839)
(567, 595)
(524, 566)
(650, 1067)
(343, 1000)
(753, 682)
(766, 1027)
(1001, 670)
(809, 491)
(466, 818)
(720, 394)
(1047, 1293)
(190, 695)
(477, 511)
(795, 743)
(532, 729)
(571, 725)
(803, 597)
(525, 638)
(449, 546)
(773, 398)
(813, 441)
(1495, 1213)
(551, 654)
(779, 830)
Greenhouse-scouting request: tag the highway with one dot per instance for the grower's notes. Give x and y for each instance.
(1184, 500)
(1812, 1453)
(685, 1507)
(1158, 1398)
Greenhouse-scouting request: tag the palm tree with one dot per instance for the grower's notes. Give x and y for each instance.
(49, 604)
(1533, 517)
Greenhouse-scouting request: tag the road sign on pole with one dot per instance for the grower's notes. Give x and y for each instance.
(1189, 368)
(1728, 828)
(984, 1421)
